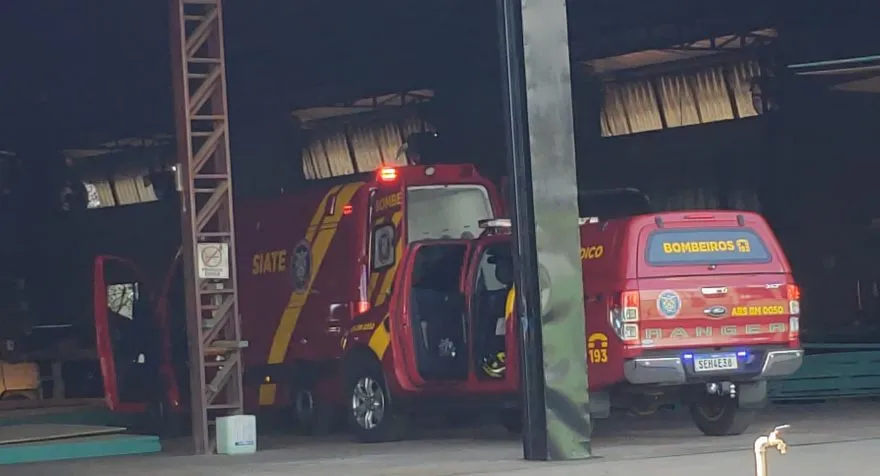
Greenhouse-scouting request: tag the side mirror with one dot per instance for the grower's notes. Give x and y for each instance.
(339, 312)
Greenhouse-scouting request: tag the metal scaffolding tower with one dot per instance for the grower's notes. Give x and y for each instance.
(213, 322)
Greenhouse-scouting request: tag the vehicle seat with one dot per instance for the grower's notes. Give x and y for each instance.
(439, 335)
(494, 307)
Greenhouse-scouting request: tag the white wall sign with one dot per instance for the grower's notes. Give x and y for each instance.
(213, 260)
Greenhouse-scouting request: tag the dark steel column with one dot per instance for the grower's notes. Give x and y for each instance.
(541, 160)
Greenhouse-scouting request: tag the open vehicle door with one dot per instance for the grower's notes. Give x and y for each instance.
(493, 331)
(128, 338)
(430, 327)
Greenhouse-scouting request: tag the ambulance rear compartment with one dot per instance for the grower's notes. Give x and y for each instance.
(299, 276)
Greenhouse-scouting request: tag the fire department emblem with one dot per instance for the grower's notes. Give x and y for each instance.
(301, 266)
(669, 304)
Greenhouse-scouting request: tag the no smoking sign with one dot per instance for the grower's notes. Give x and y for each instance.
(213, 260)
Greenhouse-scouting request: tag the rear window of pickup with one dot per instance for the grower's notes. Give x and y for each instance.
(705, 246)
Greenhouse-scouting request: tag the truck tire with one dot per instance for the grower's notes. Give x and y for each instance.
(370, 408)
(720, 416)
(311, 416)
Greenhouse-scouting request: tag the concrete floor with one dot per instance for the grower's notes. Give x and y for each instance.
(840, 437)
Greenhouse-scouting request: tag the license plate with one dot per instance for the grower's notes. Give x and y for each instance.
(713, 363)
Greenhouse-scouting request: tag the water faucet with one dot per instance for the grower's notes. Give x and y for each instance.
(773, 440)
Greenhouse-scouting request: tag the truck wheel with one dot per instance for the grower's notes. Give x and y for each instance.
(720, 416)
(311, 416)
(371, 411)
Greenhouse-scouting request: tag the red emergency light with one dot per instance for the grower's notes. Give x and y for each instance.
(387, 174)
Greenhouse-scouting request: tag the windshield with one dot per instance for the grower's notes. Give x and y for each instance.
(446, 211)
(706, 246)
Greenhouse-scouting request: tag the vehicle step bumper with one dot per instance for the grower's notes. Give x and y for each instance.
(672, 370)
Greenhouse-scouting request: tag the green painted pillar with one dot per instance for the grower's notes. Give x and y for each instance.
(541, 159)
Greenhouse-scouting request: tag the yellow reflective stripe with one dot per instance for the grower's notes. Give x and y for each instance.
(319, 247)
(268, 390)
(319, 236)
(381, 339)
(510, 303)
(267, 393)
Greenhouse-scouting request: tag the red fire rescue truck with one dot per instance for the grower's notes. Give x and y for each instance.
(308, 263)
(692, 307)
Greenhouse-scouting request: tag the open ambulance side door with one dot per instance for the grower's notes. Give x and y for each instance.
(429, 327)
(126, 336)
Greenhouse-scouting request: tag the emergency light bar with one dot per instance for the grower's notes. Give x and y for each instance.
(506, 223)
(388, 174)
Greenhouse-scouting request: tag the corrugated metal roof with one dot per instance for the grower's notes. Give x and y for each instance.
(712, 94)
(349, 149)
(128, 188)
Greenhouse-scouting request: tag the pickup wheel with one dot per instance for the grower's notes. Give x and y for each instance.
(717, 415)
(371, 411)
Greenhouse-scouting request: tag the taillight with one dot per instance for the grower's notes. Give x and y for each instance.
(630, 300)
(793, 294)
(624, 316)
(361, 307)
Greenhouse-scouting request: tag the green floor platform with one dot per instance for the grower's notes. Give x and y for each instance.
(69, 432)
(78, 448)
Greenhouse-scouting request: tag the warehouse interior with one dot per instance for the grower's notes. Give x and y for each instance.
(762, 108)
